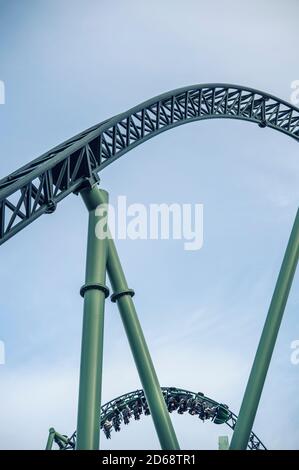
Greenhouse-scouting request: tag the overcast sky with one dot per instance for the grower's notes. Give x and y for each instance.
(69, 64)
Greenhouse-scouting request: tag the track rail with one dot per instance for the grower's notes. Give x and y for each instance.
(133, 405)
(39, 186)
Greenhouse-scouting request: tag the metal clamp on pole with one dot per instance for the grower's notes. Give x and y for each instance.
(91, 286)
(117, 295)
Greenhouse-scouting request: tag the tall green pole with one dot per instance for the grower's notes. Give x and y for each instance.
(123, 296)
(267, 342)
(94, 292)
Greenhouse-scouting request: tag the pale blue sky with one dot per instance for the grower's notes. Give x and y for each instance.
(70, 64)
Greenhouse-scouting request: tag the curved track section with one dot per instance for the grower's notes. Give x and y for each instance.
(39, 186)
(133, 405)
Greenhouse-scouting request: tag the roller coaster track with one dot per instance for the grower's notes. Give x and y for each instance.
(115, 408)
(39, 186)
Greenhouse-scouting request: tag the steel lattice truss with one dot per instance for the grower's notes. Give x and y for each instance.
(37, 187)
(134, 404)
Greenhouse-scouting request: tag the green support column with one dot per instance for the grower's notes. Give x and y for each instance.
(267, 342)
(62, 439)
(94, 292)
(123, 296)
(223, 443)
(50, 439)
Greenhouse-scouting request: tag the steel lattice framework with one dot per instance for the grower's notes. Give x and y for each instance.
(116, 407)
(73, 167)
(37, 187)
